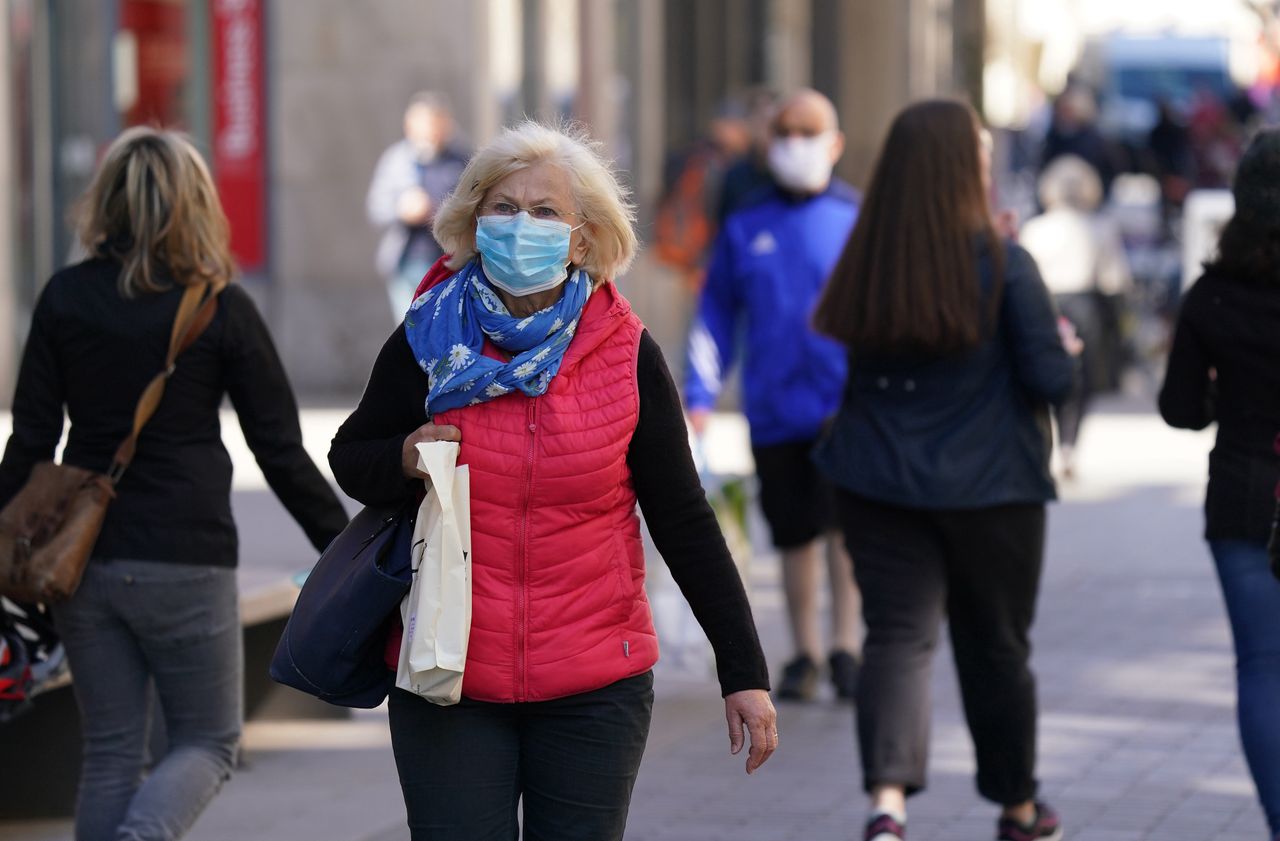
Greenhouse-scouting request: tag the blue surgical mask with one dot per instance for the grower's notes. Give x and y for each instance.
(522, 255)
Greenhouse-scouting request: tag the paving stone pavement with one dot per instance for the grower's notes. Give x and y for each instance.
(1132, 654)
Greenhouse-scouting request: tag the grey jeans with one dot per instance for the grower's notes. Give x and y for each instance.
(131, 625)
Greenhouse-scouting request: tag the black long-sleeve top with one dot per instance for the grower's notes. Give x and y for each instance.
(366, 461)
(1233, 328)
(91, 352)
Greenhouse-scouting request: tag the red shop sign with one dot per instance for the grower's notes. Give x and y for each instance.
(239, 135)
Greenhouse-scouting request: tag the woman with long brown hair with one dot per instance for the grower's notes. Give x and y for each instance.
(158, 603)
(940, 453)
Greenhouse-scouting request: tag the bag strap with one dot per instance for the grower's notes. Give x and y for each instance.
(195, 312)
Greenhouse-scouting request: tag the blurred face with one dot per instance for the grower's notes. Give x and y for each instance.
(425, 127)
(544, 192)
(730, 136)
(805, 144)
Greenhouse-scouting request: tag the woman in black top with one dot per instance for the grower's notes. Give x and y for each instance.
(1225, 367)
(158, 602)
(555, 706)
(940, 450)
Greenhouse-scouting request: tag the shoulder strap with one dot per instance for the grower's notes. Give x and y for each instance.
(195, 312)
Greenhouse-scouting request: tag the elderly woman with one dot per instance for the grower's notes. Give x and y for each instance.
(1083, 265)
(520, 347)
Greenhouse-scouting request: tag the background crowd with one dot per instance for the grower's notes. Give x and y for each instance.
(906, 354)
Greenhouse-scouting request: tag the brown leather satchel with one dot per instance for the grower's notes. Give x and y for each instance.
(48, 530)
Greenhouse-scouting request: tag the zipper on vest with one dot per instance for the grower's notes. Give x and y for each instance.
(522, 562)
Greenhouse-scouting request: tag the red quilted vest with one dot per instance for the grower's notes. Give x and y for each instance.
(558, 601)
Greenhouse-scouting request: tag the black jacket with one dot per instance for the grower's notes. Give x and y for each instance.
(969, 430)
(91, 352)
(1233, 328)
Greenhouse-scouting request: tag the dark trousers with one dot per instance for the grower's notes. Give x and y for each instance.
(574, 760)
(981, 568)
(1084, 312)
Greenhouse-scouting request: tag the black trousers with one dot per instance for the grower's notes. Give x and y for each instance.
(464, 768)
(1084, 310)
(981, 568)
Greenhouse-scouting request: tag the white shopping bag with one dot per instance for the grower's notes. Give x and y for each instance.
(437, 611)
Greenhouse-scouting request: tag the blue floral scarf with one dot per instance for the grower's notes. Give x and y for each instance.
(447, 325)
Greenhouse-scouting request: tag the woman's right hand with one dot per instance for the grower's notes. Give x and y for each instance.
(424, 433)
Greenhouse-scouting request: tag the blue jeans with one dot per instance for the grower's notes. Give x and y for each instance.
(1253, 605)
(130, 625)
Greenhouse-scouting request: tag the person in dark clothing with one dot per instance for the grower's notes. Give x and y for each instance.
(158, 601)
(1074, 131)
(520, 347)
(1224, 367)
(940, 455)
(749, 178)
(1171, 158)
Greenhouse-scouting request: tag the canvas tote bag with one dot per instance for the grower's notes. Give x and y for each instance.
(437, 611)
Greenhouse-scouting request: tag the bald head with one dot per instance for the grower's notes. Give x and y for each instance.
(805, 112)
(806, 142)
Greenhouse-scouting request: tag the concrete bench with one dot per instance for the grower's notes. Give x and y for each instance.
(43, 744)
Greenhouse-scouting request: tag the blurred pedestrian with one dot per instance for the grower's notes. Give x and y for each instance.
(1083, 264)
(749, 177)
(158, 602)
(766, 271)
(520, 347)
(1224, 367)
(1216, 141)
(940, 455)
(688, 218)
(411, 180)
(1170, 158)
(1074, 131)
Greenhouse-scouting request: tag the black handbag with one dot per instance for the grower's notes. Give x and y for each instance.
(332, 645)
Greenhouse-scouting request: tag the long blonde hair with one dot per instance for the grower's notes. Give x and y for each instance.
(153, 206)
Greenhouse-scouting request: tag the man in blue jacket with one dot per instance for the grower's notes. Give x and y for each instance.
(767, 268)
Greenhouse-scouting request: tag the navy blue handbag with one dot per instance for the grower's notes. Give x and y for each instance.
(332, 645)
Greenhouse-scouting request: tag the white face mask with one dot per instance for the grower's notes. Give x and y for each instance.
(802, 164)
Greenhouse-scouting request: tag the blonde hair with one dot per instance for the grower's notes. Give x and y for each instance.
(153, 206)
(603, 201)
(1070, 181)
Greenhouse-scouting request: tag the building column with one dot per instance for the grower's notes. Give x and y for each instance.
(533, 35)
(596, 103)
(970, 23)
(789, 44)
(8, 257)
(885, 56)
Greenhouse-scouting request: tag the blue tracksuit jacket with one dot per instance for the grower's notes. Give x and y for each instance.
(767, 269)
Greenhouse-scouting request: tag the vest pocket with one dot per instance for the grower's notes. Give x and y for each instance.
(621, 561)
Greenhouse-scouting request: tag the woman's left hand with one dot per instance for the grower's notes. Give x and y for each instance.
(752, 711)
